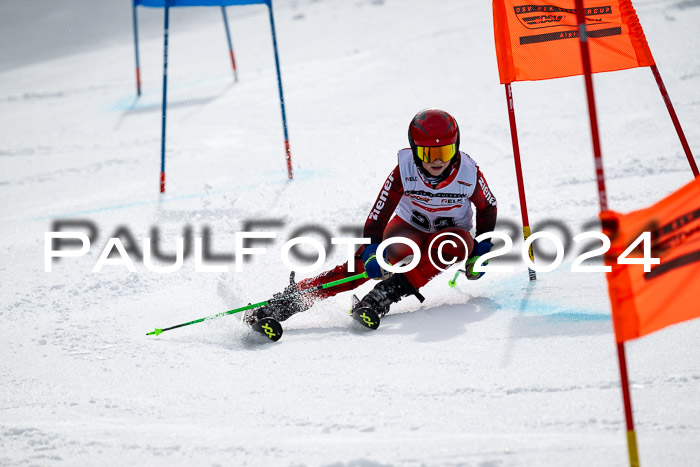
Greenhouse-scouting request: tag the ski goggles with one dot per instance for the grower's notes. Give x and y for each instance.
(430, 154)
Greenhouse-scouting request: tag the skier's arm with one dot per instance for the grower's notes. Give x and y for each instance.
(379, 216)
(486, 210)
(384, 206)
(485, 203)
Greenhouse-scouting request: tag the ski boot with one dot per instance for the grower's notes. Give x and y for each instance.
(282, 305)
(375, 304)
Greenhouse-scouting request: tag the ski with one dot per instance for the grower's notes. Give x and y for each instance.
(268, 327)
(366, 316)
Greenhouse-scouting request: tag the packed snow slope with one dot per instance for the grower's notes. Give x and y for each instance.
(495, 372)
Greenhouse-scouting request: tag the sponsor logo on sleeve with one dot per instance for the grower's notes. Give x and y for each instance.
(487, 192)
(374, 215)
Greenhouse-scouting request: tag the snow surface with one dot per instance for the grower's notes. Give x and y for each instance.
(496, 372)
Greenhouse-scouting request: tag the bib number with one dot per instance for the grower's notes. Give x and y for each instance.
(422, 221)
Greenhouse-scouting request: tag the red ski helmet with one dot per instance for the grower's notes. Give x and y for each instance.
(433, 128)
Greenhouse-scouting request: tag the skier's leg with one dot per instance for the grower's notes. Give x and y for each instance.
(279, 308)
(397, 286)
(397, 227)
(297, 303)
(426, 270)
(395, 253)
(341, 271)
(385, 292)
(401, 285)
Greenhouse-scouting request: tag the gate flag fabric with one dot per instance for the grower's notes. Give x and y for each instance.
(539, 39)
(644, 302)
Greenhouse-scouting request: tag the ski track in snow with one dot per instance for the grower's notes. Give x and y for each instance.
(496, 372)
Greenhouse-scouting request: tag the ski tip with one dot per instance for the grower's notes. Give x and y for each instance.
(366, 317)
(157, 332)
(269, 327)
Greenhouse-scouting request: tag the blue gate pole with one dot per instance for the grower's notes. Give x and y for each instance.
(136, 48)
(288, 152)
(165, 96)
(230, 44)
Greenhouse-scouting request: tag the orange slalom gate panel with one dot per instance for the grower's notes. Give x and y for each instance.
(539, 39)
(669, 293)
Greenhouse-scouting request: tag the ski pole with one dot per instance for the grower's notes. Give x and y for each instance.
(453, 281)
(158, 331)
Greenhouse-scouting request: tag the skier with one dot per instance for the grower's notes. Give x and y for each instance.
(431, 191)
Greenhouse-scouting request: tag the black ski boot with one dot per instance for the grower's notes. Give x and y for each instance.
(282, 305)
(375, 304)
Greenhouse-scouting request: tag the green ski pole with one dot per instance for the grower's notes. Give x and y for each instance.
(453, 281)
(159, 331)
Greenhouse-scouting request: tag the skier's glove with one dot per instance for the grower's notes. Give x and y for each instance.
(480, 248)
(369, 259)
